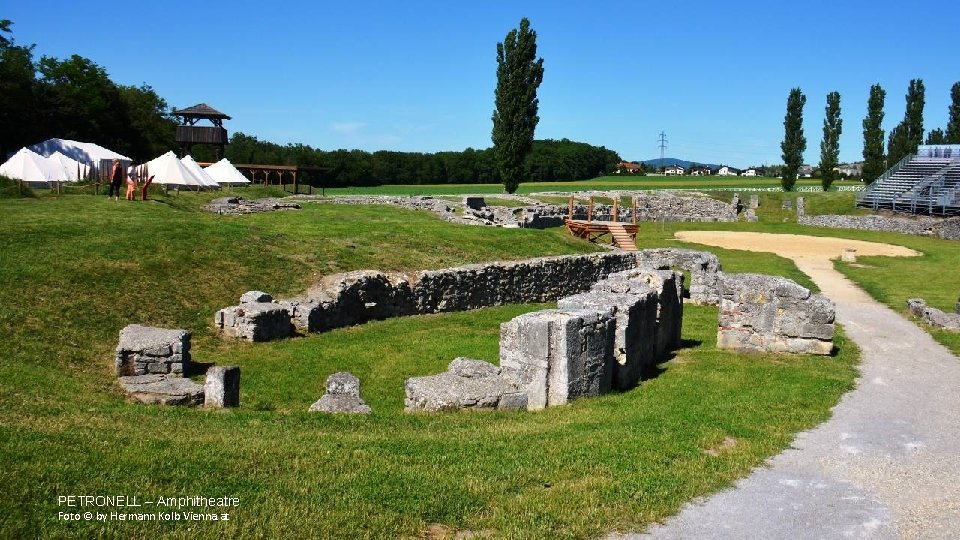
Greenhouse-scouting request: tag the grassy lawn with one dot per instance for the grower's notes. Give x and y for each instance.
(77, 269)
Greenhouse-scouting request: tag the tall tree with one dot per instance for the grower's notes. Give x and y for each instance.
(873, 159)
(18, 110)
(953, 123)
(519, 74)
(936, 136)
(794, 143)
(908, 135)
(830, 145)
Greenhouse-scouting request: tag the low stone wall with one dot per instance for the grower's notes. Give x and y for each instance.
(144, 350)
(773, 314)
(948, 229)
(467, 384)
(357, 297)
(704, 268)
(933, 316)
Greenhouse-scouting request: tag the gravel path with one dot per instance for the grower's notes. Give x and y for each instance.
(887, 463)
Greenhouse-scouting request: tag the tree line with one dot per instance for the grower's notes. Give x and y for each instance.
(903, 139)
(548, 161)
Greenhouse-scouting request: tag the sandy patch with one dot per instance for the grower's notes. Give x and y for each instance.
(811, 254)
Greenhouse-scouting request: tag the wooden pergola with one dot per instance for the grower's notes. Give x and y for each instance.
(622, 235)
(267, 174)
(189, 134)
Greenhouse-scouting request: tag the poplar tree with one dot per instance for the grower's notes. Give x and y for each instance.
(794, 143)
(908, 135)
(830, 145)
(953, 124)
(519, 74)
(873, 159)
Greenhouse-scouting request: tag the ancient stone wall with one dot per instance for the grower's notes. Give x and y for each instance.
(144, 350)
(933, 316)
(773, 314)
(948, 229)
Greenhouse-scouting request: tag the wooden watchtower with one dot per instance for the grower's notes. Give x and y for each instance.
(189, 134)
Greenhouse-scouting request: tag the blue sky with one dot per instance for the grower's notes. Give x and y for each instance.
(419, 75)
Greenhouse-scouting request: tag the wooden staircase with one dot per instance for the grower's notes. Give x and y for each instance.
(621, 238)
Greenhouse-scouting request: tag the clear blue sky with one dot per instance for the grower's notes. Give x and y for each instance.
(419, 75)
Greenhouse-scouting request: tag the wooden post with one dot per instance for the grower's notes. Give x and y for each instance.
(590, 210)
(296, 187)
(570, 211)
(616, 208)
(634, 209)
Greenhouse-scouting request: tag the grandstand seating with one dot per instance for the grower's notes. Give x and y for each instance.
(927, 182)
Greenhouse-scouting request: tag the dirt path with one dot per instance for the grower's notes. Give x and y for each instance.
(886, 464)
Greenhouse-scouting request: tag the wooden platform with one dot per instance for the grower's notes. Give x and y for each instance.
(624, 234)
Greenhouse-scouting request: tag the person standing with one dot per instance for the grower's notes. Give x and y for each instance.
(116, 178)
(131, 183)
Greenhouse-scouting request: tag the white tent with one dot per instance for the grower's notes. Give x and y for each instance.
(31, 167)
(198, 171)
(226, 174)
(84, 152)
(73, 169)
(169, 170)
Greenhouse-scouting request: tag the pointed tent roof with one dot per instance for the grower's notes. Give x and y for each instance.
(226, 174)
(29, 166)
(201, 110)
(84, 152)
(169, 170)
(195, 168)
(71, 166)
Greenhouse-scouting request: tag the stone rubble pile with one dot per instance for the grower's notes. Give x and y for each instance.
(933, 316)
(761, 313)
(467, 384)
(238, 205)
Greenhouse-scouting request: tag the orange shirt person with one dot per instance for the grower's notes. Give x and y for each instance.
(131, 184)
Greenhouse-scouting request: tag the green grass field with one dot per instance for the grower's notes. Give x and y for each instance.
(76, 269)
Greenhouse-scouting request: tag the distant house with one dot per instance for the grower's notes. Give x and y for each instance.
(627, 167)
(749, 172)
(850, 170)
(805, 171)
(728, 171)
(673, 170)
(700, 171)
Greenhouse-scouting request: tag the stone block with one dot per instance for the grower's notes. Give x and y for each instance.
(751, 216)
(467, 384)
(143, 350)
(222, 387)
(754, 201)
(635, 324)
(762, 313)
(252, 297)
(787, 204)
(162, 389)
(343, 396)
(255, 321)
(668, 285)
(933, 316)
(474, 203)
(556, 356)
(702, 265)
(848, 255)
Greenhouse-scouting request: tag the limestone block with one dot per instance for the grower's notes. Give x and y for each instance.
(668, 285)
(250, 297)
(558, 355)
(751, 216)
(848, 255)
(635, 323)
(467, 384)
(162, 389)
(754, 201)
(787, 204)
(773, 314)
(222, 387)
(702, 265)
(145, 349)
(343, 396)
(933, 316)
(254, 321)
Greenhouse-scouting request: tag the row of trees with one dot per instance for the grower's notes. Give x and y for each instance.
(904, 138)
(548, 161)
(75, 99)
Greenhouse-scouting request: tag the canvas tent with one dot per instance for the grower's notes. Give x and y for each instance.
(74, 170)
(170, 171)
(84, 152)
(198, 171)
(32, 168)
(226, 174)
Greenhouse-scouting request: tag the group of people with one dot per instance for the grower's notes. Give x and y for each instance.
(117, 175)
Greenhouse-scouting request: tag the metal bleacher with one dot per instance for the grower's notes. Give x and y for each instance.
(927, 182)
